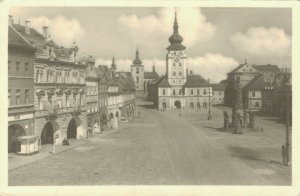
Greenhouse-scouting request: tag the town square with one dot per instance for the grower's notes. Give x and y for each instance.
(149, 96)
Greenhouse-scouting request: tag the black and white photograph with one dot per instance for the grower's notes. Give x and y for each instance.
(149, 95)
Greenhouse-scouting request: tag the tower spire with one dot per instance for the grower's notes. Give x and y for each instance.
(113, 64)
(137, 55)
(175, 26)
(153, 67)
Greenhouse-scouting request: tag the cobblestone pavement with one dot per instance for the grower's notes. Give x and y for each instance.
(157, 148)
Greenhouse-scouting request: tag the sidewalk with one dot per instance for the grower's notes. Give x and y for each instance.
(16, 161)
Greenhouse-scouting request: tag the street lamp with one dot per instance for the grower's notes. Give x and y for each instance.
(287, 124)
(209, 112)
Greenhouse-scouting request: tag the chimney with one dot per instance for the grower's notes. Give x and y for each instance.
(27, 27)
(10, 20)
(45, 32)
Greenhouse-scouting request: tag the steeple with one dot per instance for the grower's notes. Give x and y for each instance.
(153, 68)
(113, 64)
(175, 39)
(137, 60)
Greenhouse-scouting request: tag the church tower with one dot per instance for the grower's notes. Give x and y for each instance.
(113, 64)
(176, 58)
(137, 73)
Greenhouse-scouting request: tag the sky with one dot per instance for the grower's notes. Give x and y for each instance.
(217, 39)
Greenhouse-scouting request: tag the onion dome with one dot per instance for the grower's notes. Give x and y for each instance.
(137, 60)
(175, 39)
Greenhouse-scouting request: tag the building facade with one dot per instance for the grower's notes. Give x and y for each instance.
(21, 56)
(137, 73)
(178, 89)
(59, 88)
(92, 96)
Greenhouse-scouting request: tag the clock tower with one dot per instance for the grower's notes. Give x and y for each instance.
(176, 58)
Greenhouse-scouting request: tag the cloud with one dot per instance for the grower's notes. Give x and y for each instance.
(151, 29)
(62, 30)
(262, 41)
(210, 66)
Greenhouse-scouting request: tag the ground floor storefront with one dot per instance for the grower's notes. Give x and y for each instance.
(19, 125)
(63, 126)
(170, 103)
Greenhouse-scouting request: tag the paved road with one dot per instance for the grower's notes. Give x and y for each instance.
(157, 148)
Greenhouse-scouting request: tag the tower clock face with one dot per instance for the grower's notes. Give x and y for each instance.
(177, 59)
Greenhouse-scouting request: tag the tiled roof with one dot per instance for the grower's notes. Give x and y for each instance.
(267, 68)
(16, 39)
(257, 83)
(151, 75)
(218, 87)
(196, 81)
(163, 82)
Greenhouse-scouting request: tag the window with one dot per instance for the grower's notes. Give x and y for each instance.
(164, 91)
(26, 67)
(137, 70)
(257, 104)
(40, 102)
(137, 79)
(180, 73)
(192, 91)
(198, 92)
(8, 65)
(67, 101)
(220, 93)
(253, 94)
(204, 91)
(18, 97)
(174, 73)
(180, 91)
(174, 92)
(213, 93)
(26, 96)
(17, 66)
(9, 97)
(174, 64)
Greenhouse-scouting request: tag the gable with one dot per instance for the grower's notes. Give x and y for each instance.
(244, 68)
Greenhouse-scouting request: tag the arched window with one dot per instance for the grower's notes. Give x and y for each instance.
(174, 73)
(174, 64)
(204, 91)
(180, 73)
(198, 92)
(174, 92)
(164, 91)
(192, 91)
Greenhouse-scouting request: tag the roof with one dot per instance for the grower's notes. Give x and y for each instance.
(218, 87)
(257, 83)
(240, 66)
(163, 82)
(196, 81)
(151, 75)
(267, 68)
(16, 39)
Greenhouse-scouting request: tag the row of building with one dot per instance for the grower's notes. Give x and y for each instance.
(54, 93)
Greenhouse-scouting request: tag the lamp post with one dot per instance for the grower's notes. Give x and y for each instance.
(287, 124)
(209, 112)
